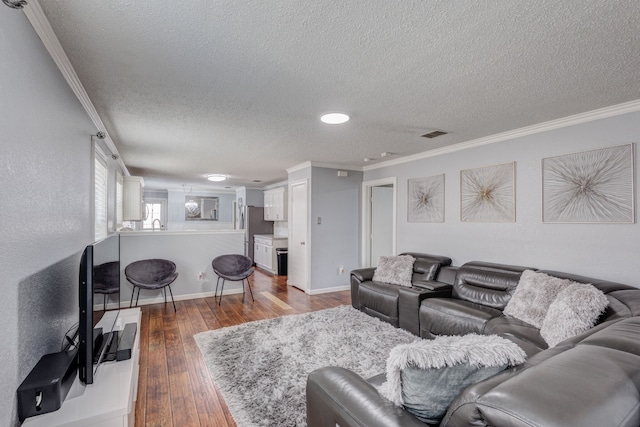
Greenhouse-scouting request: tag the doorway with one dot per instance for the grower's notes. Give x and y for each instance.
(379, 220)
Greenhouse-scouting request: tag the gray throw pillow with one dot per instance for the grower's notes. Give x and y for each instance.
(425, 376)
(574, 311)
(533, 296)
(396, 270)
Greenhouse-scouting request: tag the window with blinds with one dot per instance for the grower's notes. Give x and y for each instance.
(100, 195)
(119, 198)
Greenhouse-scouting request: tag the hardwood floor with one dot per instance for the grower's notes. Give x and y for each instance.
(175, 387)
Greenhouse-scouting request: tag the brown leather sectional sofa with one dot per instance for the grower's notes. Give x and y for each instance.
(591, 380)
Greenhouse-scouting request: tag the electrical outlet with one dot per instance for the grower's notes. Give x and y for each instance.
(201, 276)
(341, 271)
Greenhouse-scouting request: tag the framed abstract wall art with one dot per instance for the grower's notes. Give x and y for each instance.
(487, 194)
(425, 199)
(593, 186)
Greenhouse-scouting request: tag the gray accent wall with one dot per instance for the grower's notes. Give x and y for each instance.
(335, 241)
(608, 251)
(44, 204)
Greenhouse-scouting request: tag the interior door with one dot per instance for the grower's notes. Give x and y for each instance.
(381, 222)
(379, 211)
(298, 230)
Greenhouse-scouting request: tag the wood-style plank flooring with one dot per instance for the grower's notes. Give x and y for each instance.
(175, 387)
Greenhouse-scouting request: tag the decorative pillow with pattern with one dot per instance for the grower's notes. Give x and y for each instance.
(575, 310)
(396, 270)
(533, 296)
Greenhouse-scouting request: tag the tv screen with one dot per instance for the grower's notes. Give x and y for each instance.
(99, 292)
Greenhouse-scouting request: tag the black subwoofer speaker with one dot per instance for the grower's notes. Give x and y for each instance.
(48, 384)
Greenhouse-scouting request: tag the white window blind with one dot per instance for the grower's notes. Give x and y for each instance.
(100, 195)
(119, 198)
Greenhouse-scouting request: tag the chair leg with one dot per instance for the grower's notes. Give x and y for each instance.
(133, 291)
(165, 295)
(215, 294)
(221, 291)
(104, 302)
(249, 285)
(138, 297)
(174, 303)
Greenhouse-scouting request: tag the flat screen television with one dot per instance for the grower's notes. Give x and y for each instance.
(99, 276)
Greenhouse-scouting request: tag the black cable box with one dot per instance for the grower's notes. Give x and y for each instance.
(48, 384)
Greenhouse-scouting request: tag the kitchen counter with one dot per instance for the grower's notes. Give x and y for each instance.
(270, 236)
(177, 232)
(191, 251)
(264, 250)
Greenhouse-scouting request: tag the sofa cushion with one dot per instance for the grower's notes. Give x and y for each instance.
(522, 333)
(533, 296)
(622, 335)
(449, 316)
(427, 375)
(574, 311)
(396, 270)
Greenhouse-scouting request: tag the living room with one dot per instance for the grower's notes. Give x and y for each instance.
(586, 103)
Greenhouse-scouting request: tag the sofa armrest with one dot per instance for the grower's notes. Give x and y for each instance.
(357, 277)
(364, 274)
(409, 300)
(339, 396)
(432, 285)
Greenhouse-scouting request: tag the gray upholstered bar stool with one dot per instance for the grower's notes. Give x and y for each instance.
(151, 274)
(232, 267)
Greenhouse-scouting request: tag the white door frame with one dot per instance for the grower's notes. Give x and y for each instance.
(366, 216)
(307, 252)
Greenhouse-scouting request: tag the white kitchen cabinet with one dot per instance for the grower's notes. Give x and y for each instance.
(132, 201)
(275, 204)
(264, 251)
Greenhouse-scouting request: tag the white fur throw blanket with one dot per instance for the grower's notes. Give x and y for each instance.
(445, 351)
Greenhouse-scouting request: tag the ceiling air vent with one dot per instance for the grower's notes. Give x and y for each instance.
(434, 134)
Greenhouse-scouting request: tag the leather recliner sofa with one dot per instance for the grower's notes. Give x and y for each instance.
(591, 380)
(398, 305)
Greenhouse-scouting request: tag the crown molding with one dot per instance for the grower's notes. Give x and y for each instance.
(310, 164)
(589, 116)
(41, 25)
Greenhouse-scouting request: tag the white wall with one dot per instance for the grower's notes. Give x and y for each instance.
(608, 251)
(44, 204)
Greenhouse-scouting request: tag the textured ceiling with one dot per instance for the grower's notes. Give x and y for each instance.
(236, 87)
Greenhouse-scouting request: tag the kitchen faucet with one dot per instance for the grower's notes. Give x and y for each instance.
(153, 224)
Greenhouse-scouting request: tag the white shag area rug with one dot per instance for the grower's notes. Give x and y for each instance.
(261, 367)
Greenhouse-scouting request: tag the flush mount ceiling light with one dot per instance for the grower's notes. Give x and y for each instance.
(334, 118)
(216, 177)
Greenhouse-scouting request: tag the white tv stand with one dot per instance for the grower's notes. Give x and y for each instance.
(110, 400)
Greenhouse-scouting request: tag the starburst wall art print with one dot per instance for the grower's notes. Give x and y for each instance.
(426, 199)
(487, 194)
(589, 187)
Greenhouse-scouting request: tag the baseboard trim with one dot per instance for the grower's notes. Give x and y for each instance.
(329, 290)
(158, 300)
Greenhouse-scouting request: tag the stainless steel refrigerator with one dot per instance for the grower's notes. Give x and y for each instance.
(252, 220)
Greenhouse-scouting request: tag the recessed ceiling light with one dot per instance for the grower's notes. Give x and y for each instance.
(334, 118)
(216, 177)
